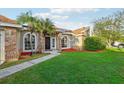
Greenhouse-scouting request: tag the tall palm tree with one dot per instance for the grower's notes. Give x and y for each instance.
(32, 24)
(45, 27)
(36, 24)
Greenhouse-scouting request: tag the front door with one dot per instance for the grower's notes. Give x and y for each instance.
(47, 43)
(2, 47)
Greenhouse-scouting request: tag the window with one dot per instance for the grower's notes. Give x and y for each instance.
(53, 42)
(64, 41)
(29, 41)
(33, 42)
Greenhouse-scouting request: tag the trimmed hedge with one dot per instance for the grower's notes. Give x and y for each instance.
(94, 43)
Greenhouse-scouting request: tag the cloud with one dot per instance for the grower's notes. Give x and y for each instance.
(60, 20)
(70, 25)
(58, 16)
(51, 16)
(72, 10)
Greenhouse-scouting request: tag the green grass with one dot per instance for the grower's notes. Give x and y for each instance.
(7, 64)
(116, 49)
(75, 68)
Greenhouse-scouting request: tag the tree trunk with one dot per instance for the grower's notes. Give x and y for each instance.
(109, 43)
(41, 42)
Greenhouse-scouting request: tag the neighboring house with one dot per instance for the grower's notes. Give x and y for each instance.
(15, 40)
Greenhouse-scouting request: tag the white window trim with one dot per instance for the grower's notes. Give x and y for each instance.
(2, 47)
(68, 41)
(24, 42)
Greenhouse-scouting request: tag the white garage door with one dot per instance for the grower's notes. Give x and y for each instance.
(2, 47)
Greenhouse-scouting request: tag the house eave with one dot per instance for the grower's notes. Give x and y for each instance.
(4, 24)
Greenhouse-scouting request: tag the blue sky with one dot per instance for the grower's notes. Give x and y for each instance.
(69, 18)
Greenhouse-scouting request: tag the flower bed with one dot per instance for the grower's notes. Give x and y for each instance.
(75, 50)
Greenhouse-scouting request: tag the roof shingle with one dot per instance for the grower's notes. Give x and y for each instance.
(79, 31)
(7, 20)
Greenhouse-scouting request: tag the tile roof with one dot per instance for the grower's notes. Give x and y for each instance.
(62, 30)
(6, 20)
(79, 30)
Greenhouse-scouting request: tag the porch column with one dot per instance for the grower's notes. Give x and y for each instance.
(2, 47)
(58, 42)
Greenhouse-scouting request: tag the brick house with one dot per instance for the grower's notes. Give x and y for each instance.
(8, 39)
(15, 40)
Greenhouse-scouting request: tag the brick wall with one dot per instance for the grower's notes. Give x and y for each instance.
(11, 52)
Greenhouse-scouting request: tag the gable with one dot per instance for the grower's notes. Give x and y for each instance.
(79, 31)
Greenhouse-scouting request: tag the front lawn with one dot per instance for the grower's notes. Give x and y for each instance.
(75, 67)
(27, 58)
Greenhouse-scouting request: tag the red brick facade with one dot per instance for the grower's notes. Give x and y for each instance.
(11, 51)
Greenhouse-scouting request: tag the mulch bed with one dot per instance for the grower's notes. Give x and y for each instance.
(70, 50)
(75, 50)
(23, 57)
(26, 53)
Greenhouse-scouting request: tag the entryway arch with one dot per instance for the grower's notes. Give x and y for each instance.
(29, 39)
(65, 42)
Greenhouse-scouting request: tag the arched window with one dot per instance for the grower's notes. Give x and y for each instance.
(64, 42)
(29, 41)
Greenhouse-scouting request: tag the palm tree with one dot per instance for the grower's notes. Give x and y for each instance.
(43, 26)
(47, 26)
(32, 24)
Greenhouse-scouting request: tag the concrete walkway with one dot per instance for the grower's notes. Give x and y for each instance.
(13, 69)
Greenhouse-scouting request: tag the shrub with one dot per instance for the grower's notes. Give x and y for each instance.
(94, 43)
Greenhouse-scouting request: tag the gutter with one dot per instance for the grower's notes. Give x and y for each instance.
(10, 25)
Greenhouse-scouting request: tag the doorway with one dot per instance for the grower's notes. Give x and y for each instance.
(47, 43)
(50, 43)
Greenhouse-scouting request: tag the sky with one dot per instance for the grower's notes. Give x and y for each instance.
(68, 18)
